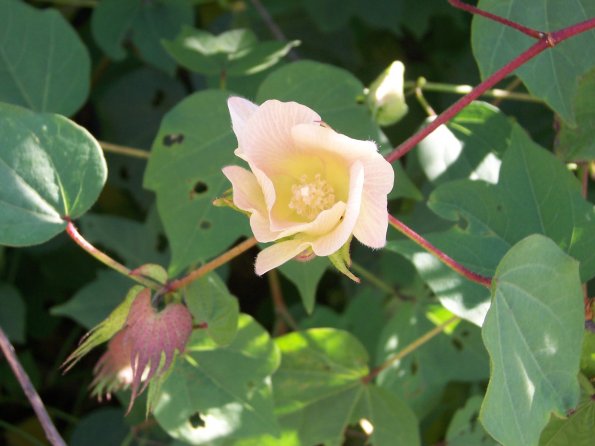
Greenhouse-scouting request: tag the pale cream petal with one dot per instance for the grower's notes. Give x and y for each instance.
(334, 240)
(247, 195)
(240, 110)
(314, 138)
(372, 223)
(278, 254)
(371, 226)
(265, 139)
(322, 224)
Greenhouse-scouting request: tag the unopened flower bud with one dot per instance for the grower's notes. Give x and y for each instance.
(385, 95)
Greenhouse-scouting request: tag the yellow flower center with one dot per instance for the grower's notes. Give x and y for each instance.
(311, 196)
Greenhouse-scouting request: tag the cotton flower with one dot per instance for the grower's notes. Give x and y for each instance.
(309, 188)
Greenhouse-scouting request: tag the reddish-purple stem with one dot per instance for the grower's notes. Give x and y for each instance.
(548, 40)
(46, 422)
(496, 18)
(444, 258)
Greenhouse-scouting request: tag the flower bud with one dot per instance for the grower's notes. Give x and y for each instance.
(385, 95)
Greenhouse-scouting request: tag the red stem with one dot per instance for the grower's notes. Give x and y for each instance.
(496, 18)
(548, 40)
(46, 422)
(444, 258)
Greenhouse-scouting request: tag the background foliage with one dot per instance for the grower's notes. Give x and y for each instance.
(504, 188)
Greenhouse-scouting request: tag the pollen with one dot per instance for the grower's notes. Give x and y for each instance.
(311, 196)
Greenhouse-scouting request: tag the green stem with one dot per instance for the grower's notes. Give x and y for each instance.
(465, 89)
(410, 348)
(104, 258)
(124, 150)
(376, 281)
(444, 258)
(419, 85)
(210, 266)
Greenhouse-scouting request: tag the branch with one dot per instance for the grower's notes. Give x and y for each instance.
(444, 258)
(409, 349)
(124, 150)
(279, 304)
(210, 266)
(73, 233)
(46, 422)
(548, 40)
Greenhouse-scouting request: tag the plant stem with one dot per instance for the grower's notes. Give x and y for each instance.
(279, 303)
(473, 10)
(273, 27)
(72, 231)
(548, 40)
(376, 281)
(444, 258)
(210, 266)
(410, 348)
(465, 89)
(421, 81)
(124, 150)
(48, 426)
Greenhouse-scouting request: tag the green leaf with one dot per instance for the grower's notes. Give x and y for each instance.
(533, 333)
(135, 243)
(210, 302)
(393, 421)
(223, 391)
(576, 430)
(194, 143)
(113, 21)
(130, 108)
(416, 378)
(96, 300)
(461, 296)
(43, 63)
(234, 53)
(469, 146)
(332, 93)
(535, 194)
(552, 75)
(100, 427)
(464, 430)
(12, 313)
(320, 373)
(577, 143)
(50, 168)
(305, 276)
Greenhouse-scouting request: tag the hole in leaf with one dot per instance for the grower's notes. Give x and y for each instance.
(161, 244)
(124, 174)
(465, 333)
(200, 187)
(413, 367)
(457, 344)
(158, 98)
(173, 138)
(196, 421)
(205, 224)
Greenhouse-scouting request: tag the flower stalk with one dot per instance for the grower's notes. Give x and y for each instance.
(76, 236)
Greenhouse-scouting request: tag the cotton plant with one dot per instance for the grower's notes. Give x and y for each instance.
(309, 189)
(499, 299)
